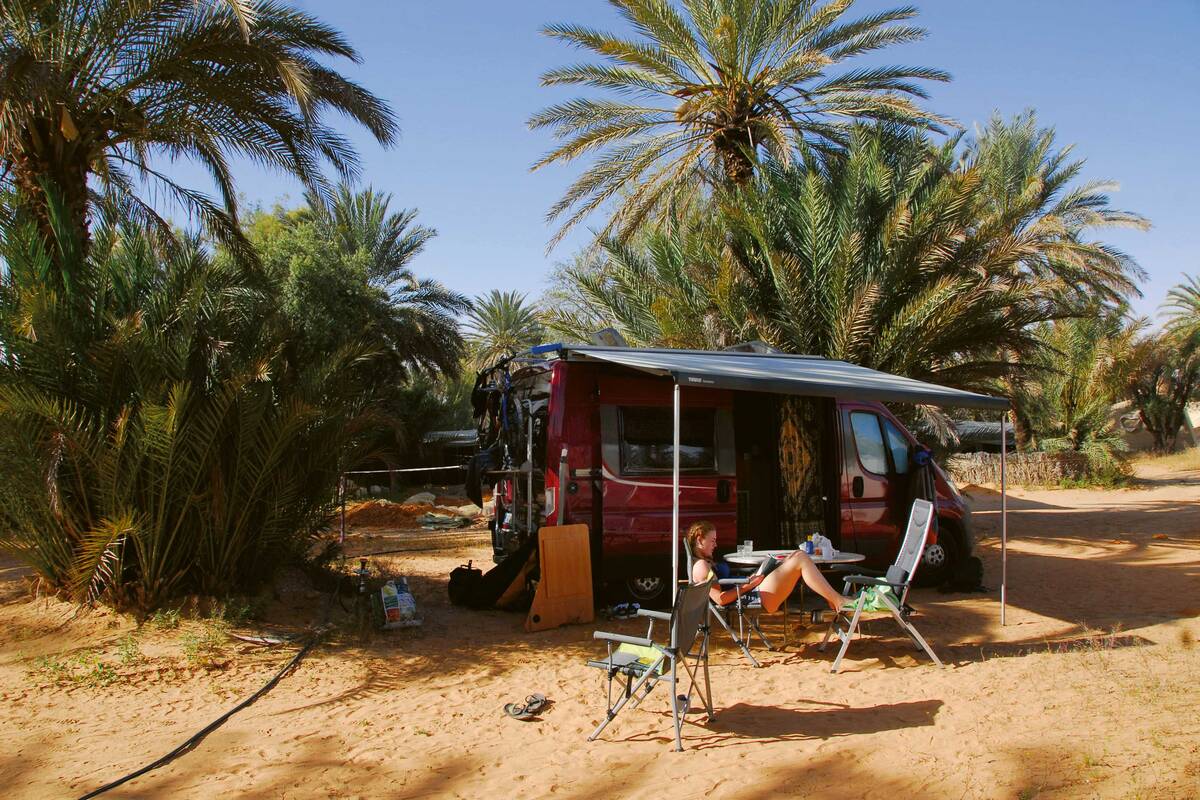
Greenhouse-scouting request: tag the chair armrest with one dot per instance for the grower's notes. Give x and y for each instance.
(853, 569)
(663, 615)
(865, 580)
(733, 581)
(622, 639)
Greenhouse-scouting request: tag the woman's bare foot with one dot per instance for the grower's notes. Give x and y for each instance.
(842, 603)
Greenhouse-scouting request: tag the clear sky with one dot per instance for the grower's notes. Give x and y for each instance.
(1113, 77)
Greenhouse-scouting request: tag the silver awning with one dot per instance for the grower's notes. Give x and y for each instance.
(779, 373)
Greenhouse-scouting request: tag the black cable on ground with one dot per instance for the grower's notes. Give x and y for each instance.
(191, 743)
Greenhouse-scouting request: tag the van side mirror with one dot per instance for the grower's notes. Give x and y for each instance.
(856, 486)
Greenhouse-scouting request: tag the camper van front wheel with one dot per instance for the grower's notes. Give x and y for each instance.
(646, 591)
(939, 558)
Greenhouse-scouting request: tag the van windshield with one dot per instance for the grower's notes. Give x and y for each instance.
(646, 440)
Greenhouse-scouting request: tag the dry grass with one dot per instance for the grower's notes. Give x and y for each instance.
(1182, 461)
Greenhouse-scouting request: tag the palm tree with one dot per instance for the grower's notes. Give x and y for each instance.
(1074, 380)
(1183, 311)
(703, 90)
(664, 288)
(96, 92)
(418, 319)
(363, 221)
(500, 324)
(1028, 188)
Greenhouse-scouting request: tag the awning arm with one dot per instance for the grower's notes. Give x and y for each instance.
(1003, 515)
(675, 501)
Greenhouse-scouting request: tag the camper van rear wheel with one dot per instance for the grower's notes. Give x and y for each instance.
(645, 590)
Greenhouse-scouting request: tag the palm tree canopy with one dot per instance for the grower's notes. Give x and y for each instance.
(1183, 311)
(500, 324)
(93, 92)
(1029, 186)
(889, 254)
(703, 89)
(363, 221)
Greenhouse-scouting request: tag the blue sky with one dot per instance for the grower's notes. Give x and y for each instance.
(1114, 78)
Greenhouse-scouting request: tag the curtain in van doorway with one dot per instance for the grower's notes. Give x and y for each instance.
(801, 443)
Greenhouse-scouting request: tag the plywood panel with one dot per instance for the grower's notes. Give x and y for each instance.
(564, 593)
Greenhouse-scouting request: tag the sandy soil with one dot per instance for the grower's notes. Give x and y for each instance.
(417, 713)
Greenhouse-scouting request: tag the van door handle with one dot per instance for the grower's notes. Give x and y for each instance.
(856, 486)
(722, 491)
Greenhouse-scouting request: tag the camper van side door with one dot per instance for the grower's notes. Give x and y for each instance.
(870, 488)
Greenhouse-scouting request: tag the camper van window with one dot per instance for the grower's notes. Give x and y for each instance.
(869, 441)
(898, 445)
(647, 434)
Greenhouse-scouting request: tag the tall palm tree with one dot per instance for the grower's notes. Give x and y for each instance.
(500, 324)
(1028, 185)
(703, 90)
(1029, 188)
(95, 93)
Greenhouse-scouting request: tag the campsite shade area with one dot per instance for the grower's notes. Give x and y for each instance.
(780, 373)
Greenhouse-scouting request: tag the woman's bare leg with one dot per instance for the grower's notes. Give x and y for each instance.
(776, 587)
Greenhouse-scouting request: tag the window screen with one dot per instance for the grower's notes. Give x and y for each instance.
(869, 441)
(647, 446)
(898, 445)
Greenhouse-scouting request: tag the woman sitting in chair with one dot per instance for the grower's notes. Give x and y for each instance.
(772, 584)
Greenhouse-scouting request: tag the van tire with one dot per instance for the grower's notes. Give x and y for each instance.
(937, 562)
(647, 591)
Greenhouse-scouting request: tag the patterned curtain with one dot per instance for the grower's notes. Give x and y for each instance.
(801, 443)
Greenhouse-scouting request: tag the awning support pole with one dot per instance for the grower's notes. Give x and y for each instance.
(1003, 516)
(675, 501)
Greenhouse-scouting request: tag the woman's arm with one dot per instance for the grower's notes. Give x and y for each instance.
(733, 593)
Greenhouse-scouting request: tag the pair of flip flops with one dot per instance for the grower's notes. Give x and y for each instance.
(624, 611)
(534, 704)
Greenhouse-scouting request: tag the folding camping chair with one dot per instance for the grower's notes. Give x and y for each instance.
(643, 664)
(888, 593)
(744, 610)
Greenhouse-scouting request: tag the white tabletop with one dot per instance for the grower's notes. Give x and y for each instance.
(756, 557)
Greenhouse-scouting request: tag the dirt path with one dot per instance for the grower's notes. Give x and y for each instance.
(417, 713)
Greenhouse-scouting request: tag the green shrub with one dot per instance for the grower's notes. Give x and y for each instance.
(157, 437)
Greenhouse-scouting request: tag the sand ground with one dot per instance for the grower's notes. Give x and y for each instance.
(417, 713)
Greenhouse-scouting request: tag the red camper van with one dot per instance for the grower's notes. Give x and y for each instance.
(585, 435)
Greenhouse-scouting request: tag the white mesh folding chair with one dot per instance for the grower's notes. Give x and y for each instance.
(888, 593)
(641, 663)
(743, 611)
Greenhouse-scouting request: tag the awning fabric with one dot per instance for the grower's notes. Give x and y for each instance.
(778, 373)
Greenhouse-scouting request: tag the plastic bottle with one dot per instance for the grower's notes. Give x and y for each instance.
(407, 603)
(809, 546)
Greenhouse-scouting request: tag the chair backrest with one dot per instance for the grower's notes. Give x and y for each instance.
(690, 611)
(909, 558)
(687, 555)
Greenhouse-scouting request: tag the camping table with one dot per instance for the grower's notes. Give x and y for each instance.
(756, 557)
